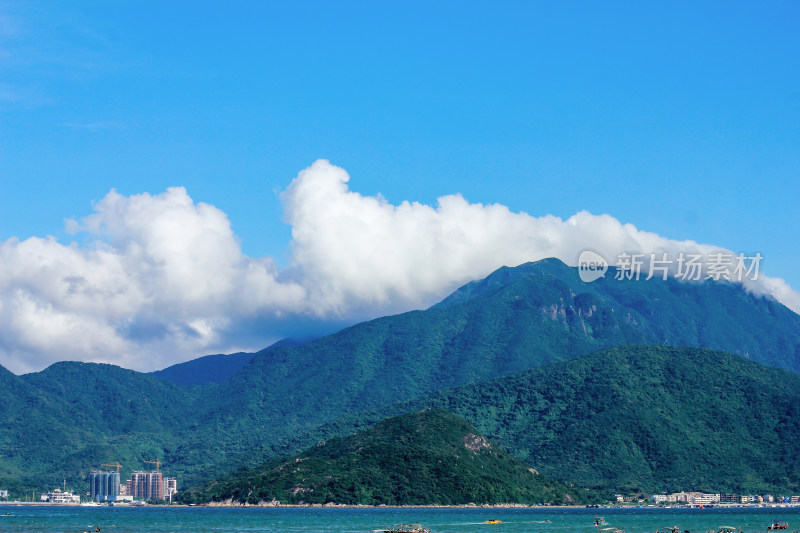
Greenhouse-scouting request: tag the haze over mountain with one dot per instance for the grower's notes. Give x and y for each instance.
(207, 369)
(514, 320)
(215, 368)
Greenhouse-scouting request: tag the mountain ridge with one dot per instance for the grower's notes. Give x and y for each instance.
(216, 368)
(516, 319)
(533, 319)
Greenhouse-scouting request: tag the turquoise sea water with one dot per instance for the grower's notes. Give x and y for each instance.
(204, 519)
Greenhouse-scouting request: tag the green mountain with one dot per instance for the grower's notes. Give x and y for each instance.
(516, 319)
(21, 406)
(68, 419)
(73, 417)
(638, 418)
(425, 458)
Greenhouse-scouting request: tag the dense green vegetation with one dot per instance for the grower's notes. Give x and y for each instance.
(516, 319)
(62, 422)
(626, 418)
(72, 417)
(424, 458)
(638, 418)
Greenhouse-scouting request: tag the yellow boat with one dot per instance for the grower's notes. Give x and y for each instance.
(493, 522)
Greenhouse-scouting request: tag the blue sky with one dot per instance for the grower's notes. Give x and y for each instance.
(682, 119)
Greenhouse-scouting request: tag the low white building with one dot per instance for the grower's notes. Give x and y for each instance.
(61, 498)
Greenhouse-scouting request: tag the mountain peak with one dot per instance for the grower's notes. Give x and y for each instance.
(505, 276)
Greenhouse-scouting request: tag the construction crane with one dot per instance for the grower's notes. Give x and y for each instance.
(115, 464)
(156, 462)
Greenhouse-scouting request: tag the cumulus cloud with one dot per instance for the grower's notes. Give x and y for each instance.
(357, 250)
(164, 278)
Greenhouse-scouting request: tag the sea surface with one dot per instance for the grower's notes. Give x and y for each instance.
(207, 519)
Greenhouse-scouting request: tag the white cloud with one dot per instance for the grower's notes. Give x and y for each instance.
(355, 250)
(165, 280)
(162, 281)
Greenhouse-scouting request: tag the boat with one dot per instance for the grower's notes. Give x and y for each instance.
(407, 528)
(599, 521)
(493, 521)
(726, 529)
(778, 524)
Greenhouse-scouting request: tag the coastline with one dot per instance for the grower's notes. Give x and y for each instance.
(230, 503)
(278, 505)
